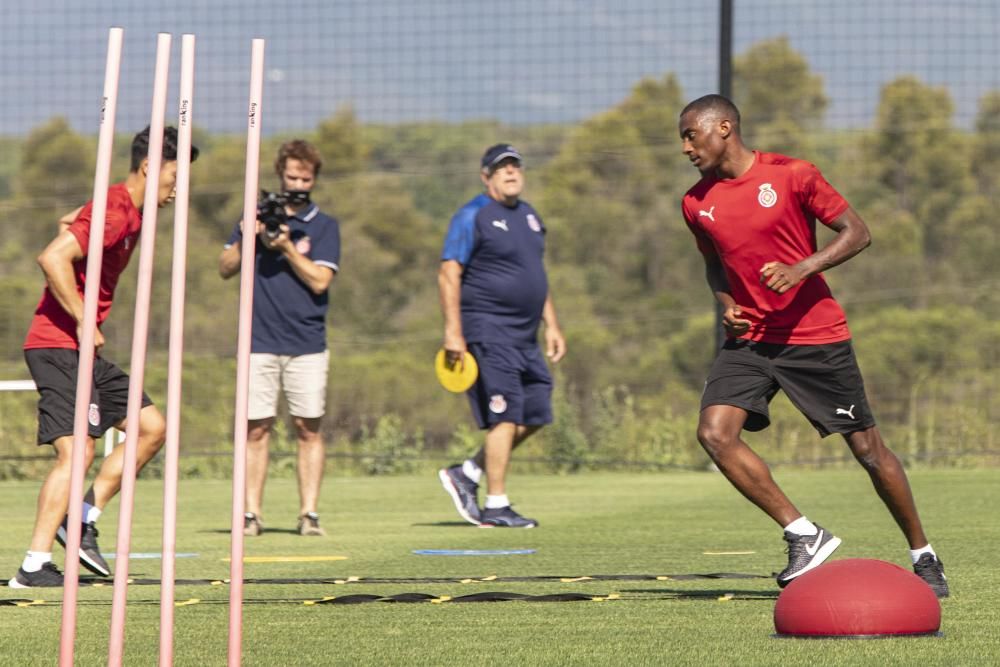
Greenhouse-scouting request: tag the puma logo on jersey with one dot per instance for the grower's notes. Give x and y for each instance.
(849, 411)
(502, 224)
(708, 214)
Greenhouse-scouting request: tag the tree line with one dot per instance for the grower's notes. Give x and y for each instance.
(626, 276)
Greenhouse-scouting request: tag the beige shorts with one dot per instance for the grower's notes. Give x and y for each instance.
(302, 378)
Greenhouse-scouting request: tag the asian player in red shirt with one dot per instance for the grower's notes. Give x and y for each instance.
(51, 351)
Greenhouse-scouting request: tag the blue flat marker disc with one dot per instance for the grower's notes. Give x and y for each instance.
(473, 552)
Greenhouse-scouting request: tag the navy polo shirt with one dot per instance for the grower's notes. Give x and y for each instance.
(288, 318)
(504, 285)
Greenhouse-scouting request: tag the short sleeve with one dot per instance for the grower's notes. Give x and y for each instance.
(705, 244)
(326, 252)
(115, 225)
(236, 237)
(461, 237)
(816, 194)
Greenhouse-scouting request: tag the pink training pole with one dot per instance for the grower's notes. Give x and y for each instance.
(176, 354)
(137, 367)
(243, 350)
(84, 379)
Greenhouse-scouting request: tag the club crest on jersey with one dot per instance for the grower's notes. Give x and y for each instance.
(533, 223)
(767, 197)
(303, 245)
(497, 404)
(94, 415)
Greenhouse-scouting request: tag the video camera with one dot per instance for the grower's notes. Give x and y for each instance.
(271, 208)
(271, 212)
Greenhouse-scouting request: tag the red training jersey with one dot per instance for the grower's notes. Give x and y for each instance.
(769, 214)
(54, 327)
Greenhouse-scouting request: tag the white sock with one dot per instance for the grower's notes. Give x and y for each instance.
(496, 502)
(34, 560)
(915, 554)
(472, 471)
(802, 526)
(90, 513)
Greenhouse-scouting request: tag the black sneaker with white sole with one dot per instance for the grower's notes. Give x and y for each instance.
(90, 553)
(806, 552)
(504, 517)
(463, 491)
(931, 570)
(47, 577)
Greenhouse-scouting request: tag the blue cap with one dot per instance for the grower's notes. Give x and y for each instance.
(494, 155)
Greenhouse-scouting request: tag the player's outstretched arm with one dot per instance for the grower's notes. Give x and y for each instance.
(852, 237)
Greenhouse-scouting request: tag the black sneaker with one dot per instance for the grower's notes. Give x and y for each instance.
(463, 491)
(252, 526)
(90, 553)
(504, 517)
(48, 577)
(931, 570)
(806, 552)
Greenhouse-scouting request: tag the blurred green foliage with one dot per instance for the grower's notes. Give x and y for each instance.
(626, 277)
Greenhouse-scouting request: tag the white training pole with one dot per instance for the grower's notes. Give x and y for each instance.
(137, 367)
(243, 350)
(85, 372)
(176, 354)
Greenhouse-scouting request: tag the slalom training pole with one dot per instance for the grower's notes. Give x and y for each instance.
(176, 351)
(85, 371)
(140, 331)
(243, 349)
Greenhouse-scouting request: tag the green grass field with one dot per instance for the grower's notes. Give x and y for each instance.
(592, 524)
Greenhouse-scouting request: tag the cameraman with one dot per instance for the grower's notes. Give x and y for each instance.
(297, 256)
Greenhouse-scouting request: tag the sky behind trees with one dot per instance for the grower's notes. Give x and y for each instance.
(525, 62)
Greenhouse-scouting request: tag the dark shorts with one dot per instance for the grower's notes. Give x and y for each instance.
(822, 381)
(54, 372)
(514, 385)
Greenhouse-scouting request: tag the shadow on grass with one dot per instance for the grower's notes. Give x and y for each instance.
(443, 524)
(228, 531)
(711, 595)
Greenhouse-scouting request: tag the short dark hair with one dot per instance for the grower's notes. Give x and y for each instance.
(140, 147)
(718, 104)
(298, 149)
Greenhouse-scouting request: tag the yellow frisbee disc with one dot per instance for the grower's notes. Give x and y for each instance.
(456, 377)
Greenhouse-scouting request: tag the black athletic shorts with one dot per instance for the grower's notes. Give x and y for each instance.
(54, 371)
(823, 381)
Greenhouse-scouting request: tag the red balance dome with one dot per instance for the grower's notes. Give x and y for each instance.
(857, 597)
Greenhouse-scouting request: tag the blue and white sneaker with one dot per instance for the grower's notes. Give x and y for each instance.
(504, 517)
(806, 552)
(463, 491)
